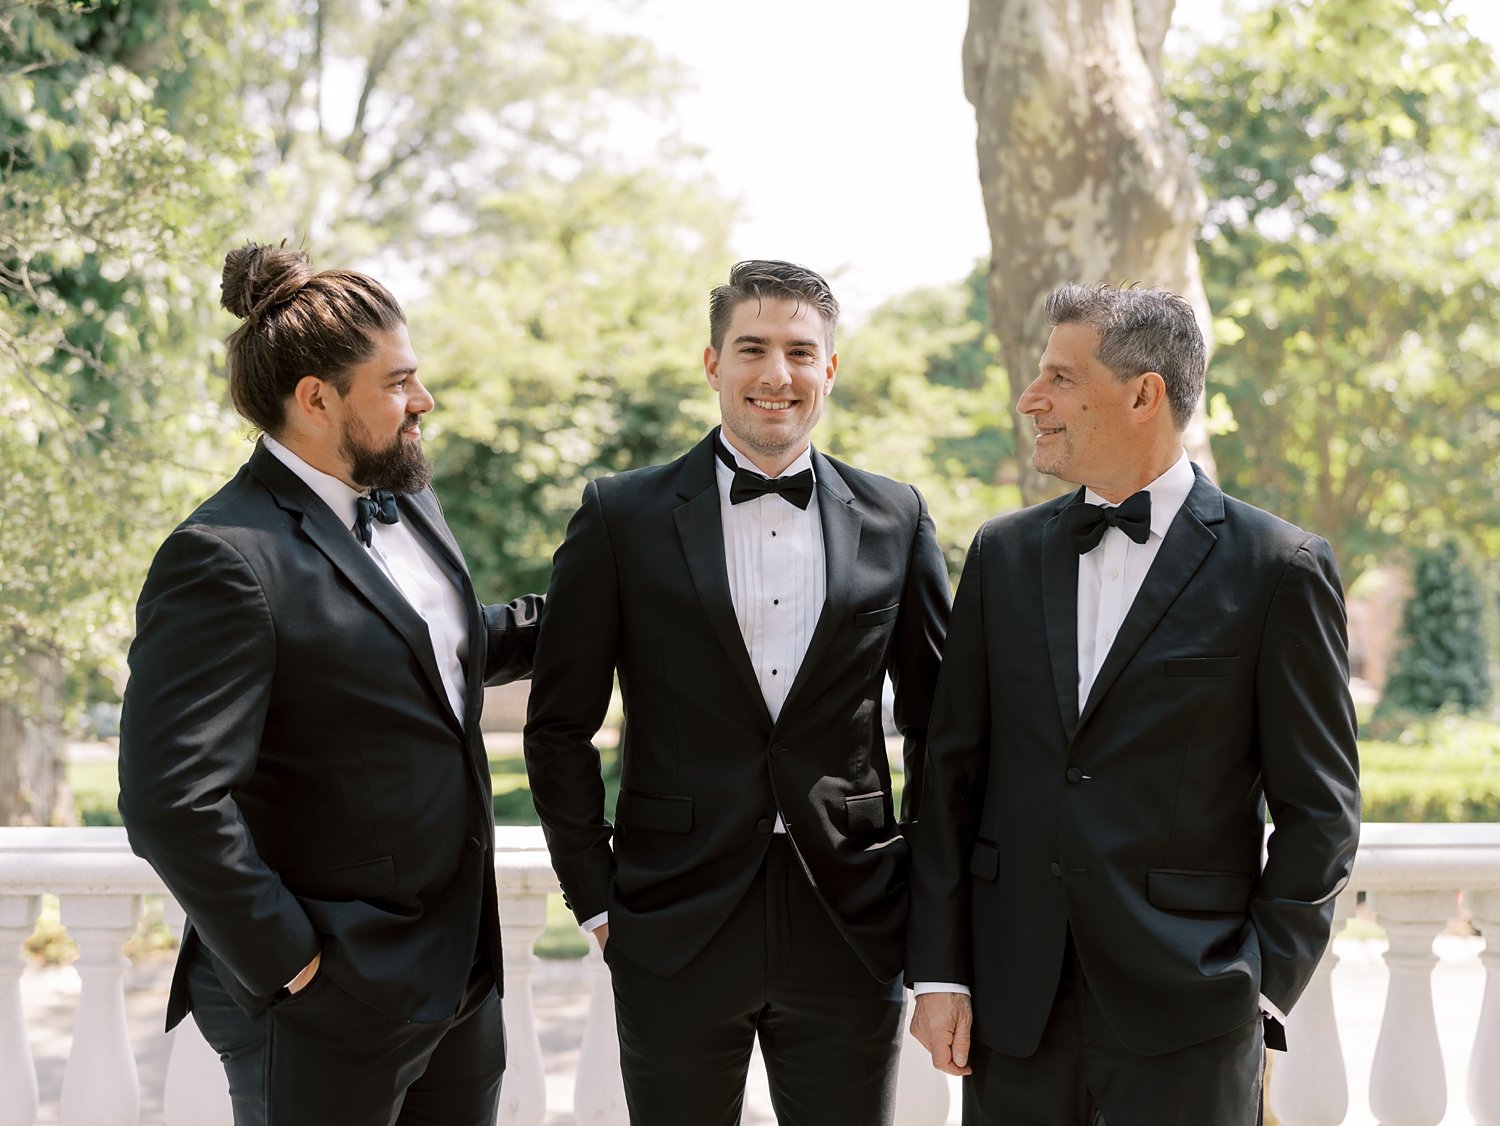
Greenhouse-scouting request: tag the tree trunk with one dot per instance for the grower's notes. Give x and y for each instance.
(1085, 177)
(33, 779)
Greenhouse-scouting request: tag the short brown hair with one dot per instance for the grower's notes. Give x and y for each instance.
(758, 279)
(297, 323)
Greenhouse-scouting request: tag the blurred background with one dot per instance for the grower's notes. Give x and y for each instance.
(551, 187)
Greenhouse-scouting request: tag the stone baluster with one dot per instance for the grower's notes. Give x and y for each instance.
(196, 1091)
(100, 1087)
(921, 1089)
(1484, 1059)
(1310, 1085)
(598, 1088)
(19, 1104)
(523, 1095)
(1408, 1086)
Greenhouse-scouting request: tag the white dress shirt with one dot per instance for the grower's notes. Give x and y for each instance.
(409, 563)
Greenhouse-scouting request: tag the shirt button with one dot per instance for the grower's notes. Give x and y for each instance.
(1074, 775)
(1057, 869)
(775, 602)
(773, 672)
(773, 534)
(1114, 574)
(764, 825)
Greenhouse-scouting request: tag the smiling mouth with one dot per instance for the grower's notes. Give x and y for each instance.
(773, 404)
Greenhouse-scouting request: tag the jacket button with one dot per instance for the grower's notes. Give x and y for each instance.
(777, 750)
(1056, 869)
(474, 844)
(764, 825)
(1074, 775)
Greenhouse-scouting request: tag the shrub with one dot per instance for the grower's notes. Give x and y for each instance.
(1442, 660)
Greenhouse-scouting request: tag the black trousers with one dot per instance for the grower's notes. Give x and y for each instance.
(1082, 1074)
(323, 1057)
(778, 970)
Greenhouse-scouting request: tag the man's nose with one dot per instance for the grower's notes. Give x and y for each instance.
(1030, 401)
(421, 401)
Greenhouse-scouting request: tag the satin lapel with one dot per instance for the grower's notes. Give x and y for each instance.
(1060, 611)
(425, 516)
(702, 533)
(353, 561)
(1186, 546)
(841, 530)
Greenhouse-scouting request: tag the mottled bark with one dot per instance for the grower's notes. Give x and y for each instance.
(33, 782)
(1085, 176)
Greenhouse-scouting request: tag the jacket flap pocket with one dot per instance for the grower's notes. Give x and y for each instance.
(1202, 666)
(666, 813)
(1177, 889)
(363, 879)
(984, 863)
(864, 813)
(868, 618)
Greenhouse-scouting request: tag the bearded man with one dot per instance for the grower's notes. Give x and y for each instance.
(300, 757)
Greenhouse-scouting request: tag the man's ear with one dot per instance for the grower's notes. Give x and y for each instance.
(1150, 396)
(831, 372)
(310, 400)
(711, 366)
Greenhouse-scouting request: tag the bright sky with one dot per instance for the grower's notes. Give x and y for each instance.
(842, 129)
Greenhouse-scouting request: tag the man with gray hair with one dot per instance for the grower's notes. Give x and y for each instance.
(1135, 673)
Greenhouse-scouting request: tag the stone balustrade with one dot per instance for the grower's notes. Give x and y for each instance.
(1414, 878)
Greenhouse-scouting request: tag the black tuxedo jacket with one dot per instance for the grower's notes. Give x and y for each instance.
(640, 586)
(290, 763)
(1139, 823)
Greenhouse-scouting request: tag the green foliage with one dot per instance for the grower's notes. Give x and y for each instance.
(1442, 769)
(921, 397)
(1347, 150)
(108, 210)
(1442, 660)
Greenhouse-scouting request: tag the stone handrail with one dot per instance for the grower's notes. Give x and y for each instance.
(1413, 877)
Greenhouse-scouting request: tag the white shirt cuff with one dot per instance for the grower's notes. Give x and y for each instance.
(1272, 1010)
(920, 987)
(589, 926)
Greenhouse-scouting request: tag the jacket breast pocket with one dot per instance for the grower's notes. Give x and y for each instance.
(664, 813)
(1202, 666)
(867, 618)
(1183, 889)
(364, 879)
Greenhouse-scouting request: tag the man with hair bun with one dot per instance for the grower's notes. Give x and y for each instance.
(1136, 674)
(752, 595)
(300, 756)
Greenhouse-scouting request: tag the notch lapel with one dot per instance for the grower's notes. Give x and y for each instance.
(842, 524)
(701, 530)
(1188, 541)
(1060, 613)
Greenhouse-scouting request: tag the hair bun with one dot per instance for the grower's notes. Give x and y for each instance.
(257, 278)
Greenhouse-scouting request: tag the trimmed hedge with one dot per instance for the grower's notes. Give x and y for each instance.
(1439, 769)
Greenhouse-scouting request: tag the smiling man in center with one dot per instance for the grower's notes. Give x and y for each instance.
(752, 595)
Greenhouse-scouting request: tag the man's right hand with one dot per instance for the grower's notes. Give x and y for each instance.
(309, 971)
(941, 1022)
(601, 934)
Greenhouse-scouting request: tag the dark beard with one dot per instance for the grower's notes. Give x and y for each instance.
(401, 466)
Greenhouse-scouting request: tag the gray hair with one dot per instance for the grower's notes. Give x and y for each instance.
(1140, 330)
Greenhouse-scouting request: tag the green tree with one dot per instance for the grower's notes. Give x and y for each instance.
(1442, 661)
(111, 188)
(1348, 151)
(921, 397)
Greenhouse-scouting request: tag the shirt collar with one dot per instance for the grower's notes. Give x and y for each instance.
(333, 492)
(1169, 493)
(803, 462)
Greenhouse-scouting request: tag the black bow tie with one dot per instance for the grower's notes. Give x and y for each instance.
(1086, 522)
(379, 505)
(796, 489)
